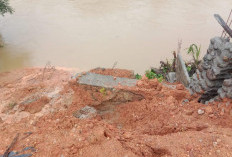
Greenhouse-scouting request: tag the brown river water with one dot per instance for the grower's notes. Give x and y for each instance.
(85, 34)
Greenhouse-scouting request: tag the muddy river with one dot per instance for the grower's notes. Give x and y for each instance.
(84, 34)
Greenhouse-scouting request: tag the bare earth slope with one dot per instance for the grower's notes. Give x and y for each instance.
(159, 121)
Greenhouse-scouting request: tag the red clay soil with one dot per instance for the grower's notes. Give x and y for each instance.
(114, 72)
(165, 122)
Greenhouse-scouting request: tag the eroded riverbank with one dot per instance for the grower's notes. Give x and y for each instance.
(165, 122)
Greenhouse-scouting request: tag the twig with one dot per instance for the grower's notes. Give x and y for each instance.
(114, 65)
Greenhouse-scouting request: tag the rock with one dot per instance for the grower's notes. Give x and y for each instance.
(86, 112)
(185, 101)
(214, 144)
(200, 111)
(171, 77)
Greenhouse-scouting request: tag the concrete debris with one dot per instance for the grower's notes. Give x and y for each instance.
(226, 90)
(182, 75)
(215, 68)
(105, 81)
(171, 77)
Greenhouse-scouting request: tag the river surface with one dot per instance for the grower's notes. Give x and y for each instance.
(85, 34)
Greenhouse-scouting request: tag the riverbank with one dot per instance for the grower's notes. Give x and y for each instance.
(165, 122)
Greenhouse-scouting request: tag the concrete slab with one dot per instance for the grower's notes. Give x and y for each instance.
(105, 81)
(181, 72)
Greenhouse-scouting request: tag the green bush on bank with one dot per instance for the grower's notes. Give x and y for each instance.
(5, 7)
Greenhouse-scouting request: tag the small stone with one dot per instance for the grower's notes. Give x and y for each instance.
(171, 77)
(185, 101)
(214, 144)
(200, 111)
(218, 151)
(231, 112)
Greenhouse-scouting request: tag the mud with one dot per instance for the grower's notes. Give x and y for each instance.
(149, 119)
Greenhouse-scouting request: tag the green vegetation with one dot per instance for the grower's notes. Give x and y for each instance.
(169, 65)
(151, 75)
(103, 91)
(189, 68)
(5, 7)
(138, 77)
(195, 51)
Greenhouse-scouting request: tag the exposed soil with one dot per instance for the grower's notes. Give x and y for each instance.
(149, 120)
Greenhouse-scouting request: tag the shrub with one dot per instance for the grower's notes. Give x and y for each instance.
(5, 7)
(138, 77)
(151, 75)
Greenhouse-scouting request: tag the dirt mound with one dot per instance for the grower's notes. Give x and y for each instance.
(114, 72)
(149, 119)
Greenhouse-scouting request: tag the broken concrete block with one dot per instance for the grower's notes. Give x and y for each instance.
(105, 81)
(171, 77)
(182, 75)
(213, 70)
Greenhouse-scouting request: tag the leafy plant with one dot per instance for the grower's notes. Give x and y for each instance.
(195, 51)
(151, 75)
(138, 77)
(189, 68)
(103, 91)
(5, 7)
